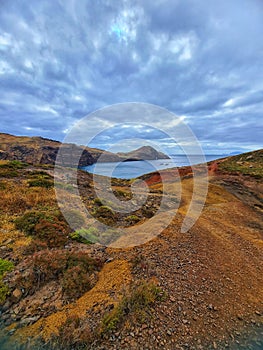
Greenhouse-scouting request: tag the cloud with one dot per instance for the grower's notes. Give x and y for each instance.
(61, 60)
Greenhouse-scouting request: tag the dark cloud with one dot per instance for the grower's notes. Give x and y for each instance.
(61, 60)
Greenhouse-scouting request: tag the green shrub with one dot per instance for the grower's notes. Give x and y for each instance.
(13, 164)
(28, 221)
(8, 173)
(4, 291)
(40, 183)
(137, 304)
(113, 319)
(5, 266)
(123, 195)
(98, 201)
(132, 219)
(84, 235)
(76, 236)
(103, 212)
(9, 168)
(39, 175)
(2, 186)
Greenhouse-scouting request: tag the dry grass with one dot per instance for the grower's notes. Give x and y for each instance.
(17, 197)
(112, 279)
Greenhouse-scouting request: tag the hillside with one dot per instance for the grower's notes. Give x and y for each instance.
(143, 153)
(196, 290)
(38, 150)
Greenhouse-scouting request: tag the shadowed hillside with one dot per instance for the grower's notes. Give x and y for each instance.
(38, 150)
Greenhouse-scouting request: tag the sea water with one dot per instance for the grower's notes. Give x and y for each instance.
(133, 169)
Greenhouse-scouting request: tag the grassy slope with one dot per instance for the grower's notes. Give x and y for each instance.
(250, 163)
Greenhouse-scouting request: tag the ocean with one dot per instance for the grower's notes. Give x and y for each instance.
(133, 169)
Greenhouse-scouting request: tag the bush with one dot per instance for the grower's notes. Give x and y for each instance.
(50, 228)
(4, 291)
(53, 234)
(39, 175)
(9, 169)
(104, 214)
(86, 236)
(2, 186)
(5, 266)
(123, 195)
(137, 303)
(46, 265)
(13, 164)
(83, 260)
(75, 282)
(76, 236)
(34, 246)
(73, 334)
(28, 221)
(98, 201)
(132, 219)
(8, 173)
(40, 183)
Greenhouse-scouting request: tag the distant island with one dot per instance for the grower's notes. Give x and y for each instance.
(39, 150)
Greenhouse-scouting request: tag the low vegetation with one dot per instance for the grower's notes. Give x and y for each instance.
(135, 307)
(132, 219)
(48, 227)
(50, 258)
(5, 266)
(86, 236)
(71, 269)
(10, 169)
(250, 163)
(135, 304)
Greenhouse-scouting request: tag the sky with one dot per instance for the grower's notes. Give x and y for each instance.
(201, 60)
